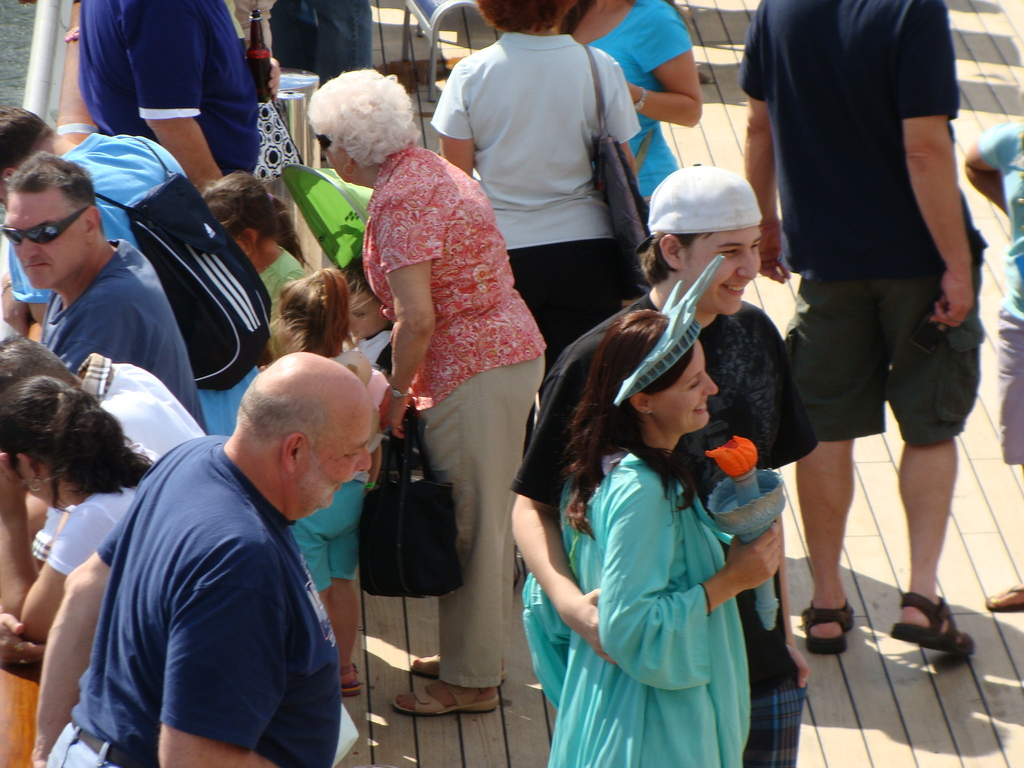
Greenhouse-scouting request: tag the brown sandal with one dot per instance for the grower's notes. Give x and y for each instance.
(812, 617)
(950, 641)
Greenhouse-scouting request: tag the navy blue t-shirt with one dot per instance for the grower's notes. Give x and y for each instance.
(124, 315)
(210, 623)
(142, 59)
(839, 76)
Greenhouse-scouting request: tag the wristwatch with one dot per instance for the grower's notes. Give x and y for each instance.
(396, 393)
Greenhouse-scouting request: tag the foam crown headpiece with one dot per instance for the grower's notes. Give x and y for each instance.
(679, 335)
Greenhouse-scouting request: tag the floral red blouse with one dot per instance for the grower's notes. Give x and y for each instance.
(424, 208)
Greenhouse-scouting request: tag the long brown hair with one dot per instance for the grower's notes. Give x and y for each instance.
(240, 201)
(599, 427)
(66, 429)
(312, 315)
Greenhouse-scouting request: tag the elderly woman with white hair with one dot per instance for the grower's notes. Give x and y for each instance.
(466, 352)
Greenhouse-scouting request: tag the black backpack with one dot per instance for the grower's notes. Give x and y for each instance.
(219, 301)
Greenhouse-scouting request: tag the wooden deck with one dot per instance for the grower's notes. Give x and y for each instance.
(883, 703)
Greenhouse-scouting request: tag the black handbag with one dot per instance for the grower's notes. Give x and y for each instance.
(614, 177)
(407, 530)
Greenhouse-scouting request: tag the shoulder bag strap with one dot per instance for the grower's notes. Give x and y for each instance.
(602, 128)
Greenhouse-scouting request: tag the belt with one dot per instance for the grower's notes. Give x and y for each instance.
(106, 751)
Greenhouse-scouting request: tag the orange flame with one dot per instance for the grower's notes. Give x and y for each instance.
(736, 457)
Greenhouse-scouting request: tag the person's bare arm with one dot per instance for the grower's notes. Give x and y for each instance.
(71, 107)
(414, 326)
(459, 152)
(803, 668)
(71, 639)
(17, 567)
(536, 531)
(932, 166)
(759, 162)
(984, 178)
(681, 102)
(184, 138)
(183, 750)
(41, 604)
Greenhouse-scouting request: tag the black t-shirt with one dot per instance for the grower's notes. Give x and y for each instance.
(757, 399)
(839, 77)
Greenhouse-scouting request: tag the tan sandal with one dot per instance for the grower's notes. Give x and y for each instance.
(465, 701)
(430, 667)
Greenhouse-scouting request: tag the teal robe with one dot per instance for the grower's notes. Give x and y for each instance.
(679, 694)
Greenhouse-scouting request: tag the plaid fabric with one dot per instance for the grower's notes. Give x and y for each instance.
(775, 727)
(96, 373)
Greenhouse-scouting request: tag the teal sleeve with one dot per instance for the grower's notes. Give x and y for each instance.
(1001, 145)
(652, 49)
(548, 638)
(656, 634)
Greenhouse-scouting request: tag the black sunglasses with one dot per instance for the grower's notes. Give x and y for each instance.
(42, 233)
(325, 141)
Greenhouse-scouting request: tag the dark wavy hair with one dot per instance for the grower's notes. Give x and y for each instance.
(523, 15)
(240, 201)
(64, 428)
(599, 427)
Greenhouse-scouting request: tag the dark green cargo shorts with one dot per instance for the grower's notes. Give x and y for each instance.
(850, 349)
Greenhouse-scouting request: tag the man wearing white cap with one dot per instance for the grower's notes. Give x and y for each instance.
(850, 103)
(696, 213)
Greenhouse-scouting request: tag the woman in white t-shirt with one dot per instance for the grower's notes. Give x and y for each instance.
(523, 114)
(60, 445)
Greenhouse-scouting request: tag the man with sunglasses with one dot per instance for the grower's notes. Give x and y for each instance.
(122, 168)
(106, 296)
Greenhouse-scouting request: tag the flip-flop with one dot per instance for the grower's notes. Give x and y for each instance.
(465, 701)
(812, 617)
(994, 603)
(430, 667)
(952, 640)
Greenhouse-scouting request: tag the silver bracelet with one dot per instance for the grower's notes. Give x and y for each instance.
(396, 393)
(639, 103)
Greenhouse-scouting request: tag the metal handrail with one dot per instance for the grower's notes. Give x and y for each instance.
(46, 57)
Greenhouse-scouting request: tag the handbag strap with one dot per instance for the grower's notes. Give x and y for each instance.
(598, 93)
(414, 435)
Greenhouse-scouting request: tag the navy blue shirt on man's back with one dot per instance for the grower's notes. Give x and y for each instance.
(861, 67)
(124, 315)
(210, 623)
(149, 59)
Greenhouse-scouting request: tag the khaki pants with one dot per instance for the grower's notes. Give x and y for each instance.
(475, 441)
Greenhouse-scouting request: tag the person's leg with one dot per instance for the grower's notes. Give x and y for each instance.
(774, 738)
(474, 438)
(927, 476)
(295, 34)
(839, 365)
(931, 392)
(341, 600)
(344, 37)
(825, 488)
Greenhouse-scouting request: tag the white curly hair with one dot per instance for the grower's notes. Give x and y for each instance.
(366, 114)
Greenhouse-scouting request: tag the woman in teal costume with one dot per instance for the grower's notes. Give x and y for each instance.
(679, 694)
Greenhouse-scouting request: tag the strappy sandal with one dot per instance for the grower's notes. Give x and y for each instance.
(812, 617)
(430, 667)
(353, 687)
(995, 603)
(950, 641)
(465, 701)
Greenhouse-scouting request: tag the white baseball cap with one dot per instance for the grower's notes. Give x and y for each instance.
(703, 198)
